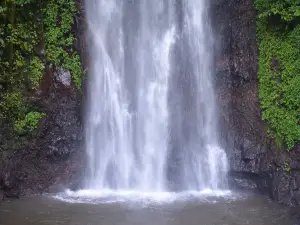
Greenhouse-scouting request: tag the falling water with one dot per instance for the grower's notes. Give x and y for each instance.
(151, 116)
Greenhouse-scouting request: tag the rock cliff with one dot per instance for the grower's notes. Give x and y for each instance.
(54, 158)
(255, 160)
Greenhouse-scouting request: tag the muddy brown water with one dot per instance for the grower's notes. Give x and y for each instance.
(239, 210)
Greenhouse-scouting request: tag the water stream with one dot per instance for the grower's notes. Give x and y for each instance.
(151, 118)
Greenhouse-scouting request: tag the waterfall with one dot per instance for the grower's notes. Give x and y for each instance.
(151, 121)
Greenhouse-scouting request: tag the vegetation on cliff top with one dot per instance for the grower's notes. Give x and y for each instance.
(34, 35)
(278, 34)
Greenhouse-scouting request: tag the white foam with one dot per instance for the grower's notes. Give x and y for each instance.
(104, 196)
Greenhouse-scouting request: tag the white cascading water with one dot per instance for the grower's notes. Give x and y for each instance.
(151, 117)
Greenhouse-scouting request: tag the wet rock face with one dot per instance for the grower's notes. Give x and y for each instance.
(255, 160)
(296, 216)
(63, 77)
(61, 129)
(55, 158)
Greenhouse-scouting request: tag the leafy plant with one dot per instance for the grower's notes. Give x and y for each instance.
(279, 68)
(34, 35)
(288, 10)
(11, 104)
(36, 69)
(58, 20)
(29, 122)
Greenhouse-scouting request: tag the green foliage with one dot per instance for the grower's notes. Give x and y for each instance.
(34, 35)
(36, 69)
(288, 10)
(73, 64)
(58, 19)
(20, 115)
(11, 105)
(29, 122)
(279, 68)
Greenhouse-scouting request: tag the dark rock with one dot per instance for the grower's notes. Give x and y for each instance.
(63, 77)
(54, 159)
(295, 215)
(255, 160)
(1, 195)
(242, 181)
(56, 155)
(286, 187)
